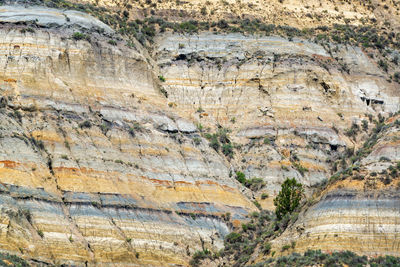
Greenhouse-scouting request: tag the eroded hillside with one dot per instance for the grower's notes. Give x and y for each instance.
(122, 139)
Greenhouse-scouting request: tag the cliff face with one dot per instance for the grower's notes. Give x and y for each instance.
(103, 163)
(294, 13)
(359, 210)
(95, 168)
(294, 93)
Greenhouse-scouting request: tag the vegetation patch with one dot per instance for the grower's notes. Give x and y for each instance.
(288, 199)
(80, 36)
(257, 233)
(350, 161)
(12, 260)
(253, 184)
(220, 141)
(379, 42)
(337, 259)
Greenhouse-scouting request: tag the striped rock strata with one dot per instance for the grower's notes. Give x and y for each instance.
(361, 210)
(99, 168)
(294, 93)
(94, 168)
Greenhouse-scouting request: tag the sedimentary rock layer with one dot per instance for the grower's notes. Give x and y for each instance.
(103, 163)
(93, 167)
(286, 102)
(359, 211)
(270, 79)
(363, 222)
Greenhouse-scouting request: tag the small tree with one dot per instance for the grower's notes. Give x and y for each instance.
(288, 198)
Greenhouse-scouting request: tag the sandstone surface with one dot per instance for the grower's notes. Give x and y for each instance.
(104, 159)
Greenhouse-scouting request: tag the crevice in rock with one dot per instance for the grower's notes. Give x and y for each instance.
(371, 101)
(75, 229)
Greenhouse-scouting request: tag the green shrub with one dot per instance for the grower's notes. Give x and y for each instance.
(214, 143)
(6, 259)
(383, 65)
(218, 138)
(137, 127)
(66, 144)
(240, 177)
(266, 249)
(27, 30)
(198, 256)
(188, 26)
(317, 258)
(233, 238)
(365, 125)
(254, 184)
(385, 159)
(203, 11)
(226, 216)
(40, 233)
(254, 214)
(267, 141)
(130, 44)
(302, 170)
(243, 259)
(353, 131)
(396, 76)
(288, 198)
(227, 150)
(248, 226)
(257, 204)
(394, 173)
(79, 36)
(161, 78)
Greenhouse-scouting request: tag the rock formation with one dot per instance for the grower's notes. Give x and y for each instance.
(360, 208)
(105, 158)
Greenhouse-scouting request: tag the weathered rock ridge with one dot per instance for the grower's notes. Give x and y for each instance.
(292, 92)
(360, 211)
(104, 164)
(94, 168)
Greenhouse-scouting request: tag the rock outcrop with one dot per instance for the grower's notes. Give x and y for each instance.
(94, 167)
(103, 159)
(359, 211)
(294, 93)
